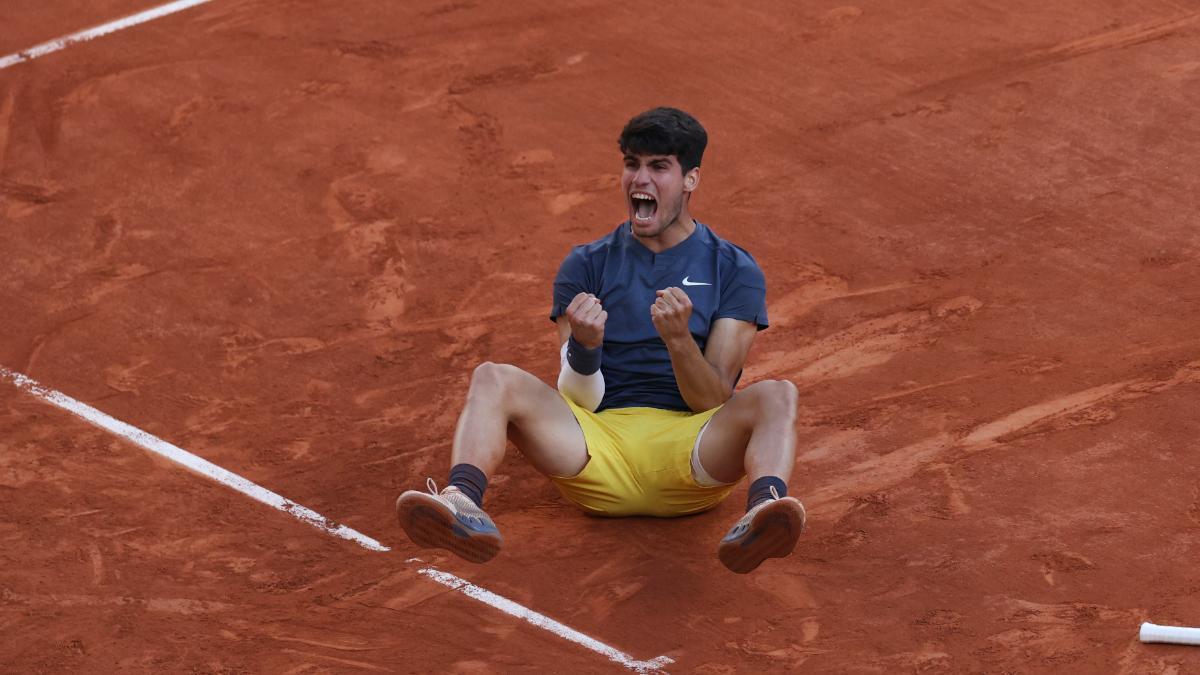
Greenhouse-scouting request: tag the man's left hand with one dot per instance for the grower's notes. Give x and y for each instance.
(670, 314)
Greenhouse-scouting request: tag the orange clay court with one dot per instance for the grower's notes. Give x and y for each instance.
(280, 236)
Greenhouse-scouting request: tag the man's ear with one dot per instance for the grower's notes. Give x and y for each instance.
(691, 179)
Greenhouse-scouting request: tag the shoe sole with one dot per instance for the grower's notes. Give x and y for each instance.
(431, 524)
(773, 533)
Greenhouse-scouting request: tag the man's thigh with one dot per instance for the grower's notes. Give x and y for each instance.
(543, 427)
(723, 445)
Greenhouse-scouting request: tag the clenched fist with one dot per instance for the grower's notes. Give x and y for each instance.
(587, 318)
(670, 314)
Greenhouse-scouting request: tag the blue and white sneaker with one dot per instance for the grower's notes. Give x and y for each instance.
(769, 530)
(450, 521)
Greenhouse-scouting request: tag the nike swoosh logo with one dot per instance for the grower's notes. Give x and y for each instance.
(694, 283)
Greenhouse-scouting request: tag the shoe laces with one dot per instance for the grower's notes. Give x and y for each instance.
(743, 523)
(758, 507)
(774, 497)
(458, 501)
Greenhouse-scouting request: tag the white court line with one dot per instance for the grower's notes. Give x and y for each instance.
(246, 487)
(542, 621)
(91, 33)
(261, 494)
(180, 456)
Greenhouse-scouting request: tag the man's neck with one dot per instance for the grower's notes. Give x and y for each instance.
(673, 235)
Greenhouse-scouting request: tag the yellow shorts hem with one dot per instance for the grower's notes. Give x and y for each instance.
(639, 463)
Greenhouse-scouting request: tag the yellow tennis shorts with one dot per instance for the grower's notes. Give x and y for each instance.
(640, 463)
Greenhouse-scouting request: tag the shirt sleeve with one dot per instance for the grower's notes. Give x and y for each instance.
(744, 296)
(574, 277)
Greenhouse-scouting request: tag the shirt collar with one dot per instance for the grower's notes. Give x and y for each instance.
(697, 236)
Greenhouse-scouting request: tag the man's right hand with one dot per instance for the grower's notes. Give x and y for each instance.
(587, 318)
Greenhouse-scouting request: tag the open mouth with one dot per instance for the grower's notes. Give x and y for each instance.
(644, 207)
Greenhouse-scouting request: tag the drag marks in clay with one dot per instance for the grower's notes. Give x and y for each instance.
(184, 606)
(774, 643)
(1041, 631)
(367, 233)
(23, 197)
(7, 103)
(1119, 37)
(1062, 562)
(864, 345)
(1096, 405)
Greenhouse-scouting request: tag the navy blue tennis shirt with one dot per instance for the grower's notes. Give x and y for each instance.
(721, 280)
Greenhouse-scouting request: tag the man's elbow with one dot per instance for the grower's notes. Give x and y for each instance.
(715, 400)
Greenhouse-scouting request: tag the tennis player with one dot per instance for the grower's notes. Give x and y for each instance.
(655, 320)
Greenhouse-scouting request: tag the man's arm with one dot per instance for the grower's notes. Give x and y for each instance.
(705, 379)
(581, 336)
(564, 329)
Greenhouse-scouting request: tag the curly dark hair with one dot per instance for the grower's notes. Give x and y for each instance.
(665, 131)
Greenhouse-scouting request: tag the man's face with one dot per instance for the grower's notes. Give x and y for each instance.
(655, 188)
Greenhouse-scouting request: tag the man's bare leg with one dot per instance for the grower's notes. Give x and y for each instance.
(754, 434)
(503, 402)
(507, 402)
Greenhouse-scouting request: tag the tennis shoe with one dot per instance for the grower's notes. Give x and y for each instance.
(448, 520)
(769, 530)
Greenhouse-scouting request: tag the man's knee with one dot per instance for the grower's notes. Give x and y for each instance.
(776, 399)
(494, 380)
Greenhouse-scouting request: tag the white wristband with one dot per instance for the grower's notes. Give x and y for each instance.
(586, 391)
